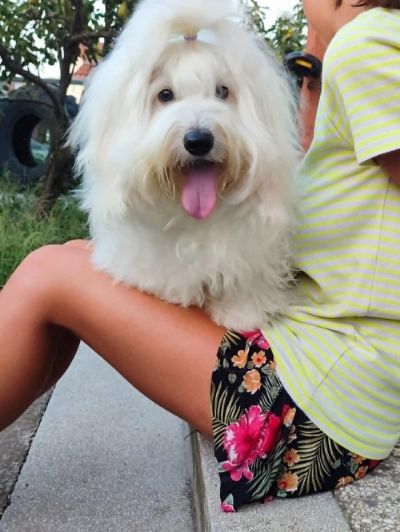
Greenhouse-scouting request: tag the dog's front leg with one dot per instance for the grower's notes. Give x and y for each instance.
(239, 310)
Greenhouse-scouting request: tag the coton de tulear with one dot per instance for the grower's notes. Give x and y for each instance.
(187, 142)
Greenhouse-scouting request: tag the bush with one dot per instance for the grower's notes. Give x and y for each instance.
(21, 231)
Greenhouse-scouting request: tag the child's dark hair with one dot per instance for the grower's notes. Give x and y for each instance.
(391, 4)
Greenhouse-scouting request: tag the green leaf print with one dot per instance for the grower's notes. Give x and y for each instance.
(230, 338)
(266, 471)
(271, 390)
(225, 410)
(318, 457)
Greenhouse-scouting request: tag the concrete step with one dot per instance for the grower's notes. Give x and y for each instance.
(307, 514)
(369, 505)
(107, 459)
(104, 459)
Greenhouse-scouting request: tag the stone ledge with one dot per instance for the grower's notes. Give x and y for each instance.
(314, 513)
(15, 442)
(370, 505)
(373, 505)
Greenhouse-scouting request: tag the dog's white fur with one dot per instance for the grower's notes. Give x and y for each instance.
(235, 263)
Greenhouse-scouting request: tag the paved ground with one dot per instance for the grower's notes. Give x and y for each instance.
(14, 446)
(373, 504)
(107, 459)
(104, 459)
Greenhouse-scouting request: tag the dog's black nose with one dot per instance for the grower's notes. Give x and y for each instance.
(198, 141)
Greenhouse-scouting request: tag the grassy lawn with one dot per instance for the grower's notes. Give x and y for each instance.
(21, 232)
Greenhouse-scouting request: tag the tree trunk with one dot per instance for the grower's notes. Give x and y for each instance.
(59, 178)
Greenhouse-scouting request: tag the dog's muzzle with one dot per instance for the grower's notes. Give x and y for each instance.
(198, 142)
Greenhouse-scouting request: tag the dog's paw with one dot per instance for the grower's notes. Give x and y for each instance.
(238, 317)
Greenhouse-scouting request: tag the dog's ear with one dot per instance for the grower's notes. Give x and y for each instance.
(275, 106)
(267, 106)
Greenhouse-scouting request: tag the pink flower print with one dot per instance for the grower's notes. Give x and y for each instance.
(272, 431)
(254, 435)
(373, 463)
(272, 434)
(256, 337)
(241, 442)
(226, 506)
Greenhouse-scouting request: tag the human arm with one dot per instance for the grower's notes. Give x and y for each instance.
(362, 77)
(390, 164)
(310, 92)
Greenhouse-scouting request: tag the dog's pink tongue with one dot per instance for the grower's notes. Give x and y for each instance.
(199, 195)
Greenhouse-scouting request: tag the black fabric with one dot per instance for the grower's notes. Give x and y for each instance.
(264, 444)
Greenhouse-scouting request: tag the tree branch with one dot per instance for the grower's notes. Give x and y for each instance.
(88, 36)
(70, 50)
(16, 68)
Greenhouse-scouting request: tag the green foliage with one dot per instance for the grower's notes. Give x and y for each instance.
(256, 15)
(286, 35)
(38, 31)
(21, 231)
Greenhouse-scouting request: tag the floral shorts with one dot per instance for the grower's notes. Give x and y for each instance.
(265, 445)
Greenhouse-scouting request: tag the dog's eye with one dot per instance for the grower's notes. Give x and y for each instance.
(166, 95)
(222, 92)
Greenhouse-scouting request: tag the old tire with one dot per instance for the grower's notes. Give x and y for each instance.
(26, 132)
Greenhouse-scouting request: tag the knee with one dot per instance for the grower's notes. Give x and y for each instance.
(82, 244)
(36, 272)
(47, 280)
(40, 259)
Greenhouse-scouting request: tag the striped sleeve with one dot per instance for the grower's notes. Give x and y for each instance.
(368, 80)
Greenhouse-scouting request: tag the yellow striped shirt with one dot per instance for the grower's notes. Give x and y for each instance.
(338, 349)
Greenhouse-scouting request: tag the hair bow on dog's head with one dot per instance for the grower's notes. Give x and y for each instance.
(191, 37)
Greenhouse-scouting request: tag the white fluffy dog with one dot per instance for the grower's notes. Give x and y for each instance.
(187, 145)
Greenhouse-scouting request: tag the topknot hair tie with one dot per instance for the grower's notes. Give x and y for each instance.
(190, 37)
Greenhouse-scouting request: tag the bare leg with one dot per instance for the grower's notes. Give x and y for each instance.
(63, 351)
(165, 351)
(67, 343)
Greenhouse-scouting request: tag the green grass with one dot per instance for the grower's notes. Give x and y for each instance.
(21, 232)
